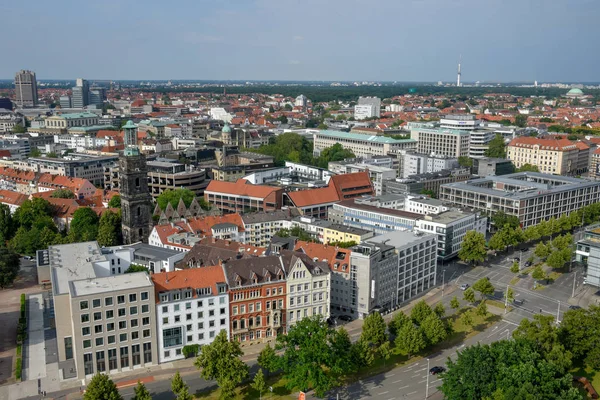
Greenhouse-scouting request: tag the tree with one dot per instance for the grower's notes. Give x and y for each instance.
(521, 120)
(434, 329)
(52, 155)
(140, 392)
(7, 225)
(184, 394)
(500, 219)
(469, 295)
(101, 387)
(467, 319)
(465, 161)
(109, 229)
(307, 355)
(397, 322)
(84, 225)
(333, 153)
(177, 384)
(221, 361)
(136, 268)
(579, 332)
(342, 353)
(428, 192)
(267, 359)
(528, 168)
(542, 250)
(481, 309)
(288, 107)
(420, 311)
(439, 310)
(558, 258)
(514, 268)
(410, 339)
(31, 211)
(509, 295)
(484, 287)
(173, 197)
(497, 147)
(259, 384)
(541, 330)
(538, 273)
(18, 128)
(499, 240)
(322, 126)
(115, 201)
(35, 152)
(472, 249)
(454, 303)
(385, 352)
(373, 330)
(10, 263)
(62, 194)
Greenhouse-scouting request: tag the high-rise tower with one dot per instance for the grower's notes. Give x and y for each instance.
(135, 197)
(26, 89)
(458, 77)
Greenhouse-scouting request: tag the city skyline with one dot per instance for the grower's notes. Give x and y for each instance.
(266, 40)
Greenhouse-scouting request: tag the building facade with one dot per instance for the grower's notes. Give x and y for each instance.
(361, 145)
(415, 164)
(26, 89)
(171, 176)
(440, 141)
(242, 196)
(551, 156)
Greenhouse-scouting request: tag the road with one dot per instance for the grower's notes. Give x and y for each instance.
(410, 381)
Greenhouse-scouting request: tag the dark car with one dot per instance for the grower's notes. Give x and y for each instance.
(517, 259)
(437, 370)
(525, 249)
(518, 302)
(574, 308)
(346, 318)
(331, 321)
(528, 264)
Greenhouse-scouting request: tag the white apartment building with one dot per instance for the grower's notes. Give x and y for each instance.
(308, 285)
(424, 205)
(479, 143)
(192, 308)
(440, 141)
(365, 111)
(417, 262)
(450, 227)
(373, 102)
(361, 145)
(261, 227)
(466, 122)
(415, 163)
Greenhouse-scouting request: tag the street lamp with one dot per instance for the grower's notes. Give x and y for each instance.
(443, 280)
(427, 387)
(574, 281)
(558, 312)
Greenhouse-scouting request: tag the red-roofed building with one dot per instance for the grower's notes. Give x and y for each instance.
(242, 196)
(192, 307)
(82, 188)
(316, 202)
(551, 155)
(12, 199)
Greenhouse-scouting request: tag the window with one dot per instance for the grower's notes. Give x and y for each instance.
(222, 311)
(177, 352)
(200, 325)
(222, 321)
(110, 327)
(124, 357)
(188, 305)
(120, 299)
(110, 314)
(68, 348)
(258, 306)
(98, 329)
(146, 333)
(83, 305)
(147, 352)
(199, 303)
(189, 338)
(211, 302)
(235, 310)
(135, 335)
(87, 344)
(108, 301)
(121, 312)
(144, 296)
(135, 354)
(172, 337)
(146, 321)
(123, 337)
(165, 309)
(221, 300)
(165, 320)
(132, 297)
(145, 308)
(242, 310)
(201, 336)
(88, 364)
(110, 339)
(112, 359)
(176, 307)
(177, 318)
(137, 182)
(211, 334)
(211, 323)
(97, 316)
(85, 331)
(167, 353)
(96, 303)
(133, 310)
(99, 341)
(211, 313)
(122, 324)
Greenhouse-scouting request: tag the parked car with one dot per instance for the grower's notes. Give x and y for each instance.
(437, 370)
(528, 264)
(464, 286)
(27, 257)
(346, 318)
(525, 249)
(518, 302)
(331, 321)
(517, 259)
(574, 308)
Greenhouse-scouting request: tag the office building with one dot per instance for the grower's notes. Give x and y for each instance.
(338, 233)
(588, 253)
(97, 95)
(192, 308)
(440, 141)
(492, 166)
(26, 89)
(80, 166)
(367, 107)
(171, 176)
(361, 145)
(415, 163)
(479, 143)
(417, 262)
(80, 93)
(104, 323)
(466, 122)
(65, 102)
(531, 196)
(301, 101)
(550, 155)
(374, 274)
(428, 181)
(65, 121)
(424, 205)
(241, 196)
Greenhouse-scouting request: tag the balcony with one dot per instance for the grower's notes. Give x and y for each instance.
(239, 330)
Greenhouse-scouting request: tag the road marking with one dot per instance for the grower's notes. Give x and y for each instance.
(510, 322)
(403, 387)
(382, 393)
(387, 376)
(408, 394)
(399, 380)
(422, 381)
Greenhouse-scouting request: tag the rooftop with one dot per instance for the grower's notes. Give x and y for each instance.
(77, 115)
(74, 261)
(379, 210)
(447, 217)
(348, 229)
(362, 137)
(196, 278)
(400, 239)
(86, 287)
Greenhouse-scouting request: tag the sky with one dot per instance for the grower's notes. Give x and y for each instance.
(339, 40)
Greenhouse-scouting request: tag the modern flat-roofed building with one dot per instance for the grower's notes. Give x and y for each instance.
(80, 166)
(440, 141)
(241, 196)
(192, 308)
(104, 323)
(26, 89)
(415, 163)
(171, 176)
(466, 122)
(492, 166)
(336, 233)
(417, 262)
(361, 145)
(428, 181)
(480, 142)
(531, 196)
(588, 253)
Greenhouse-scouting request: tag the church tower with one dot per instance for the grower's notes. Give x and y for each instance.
(136, 201)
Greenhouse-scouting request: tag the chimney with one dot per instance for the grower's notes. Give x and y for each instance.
(167, 276)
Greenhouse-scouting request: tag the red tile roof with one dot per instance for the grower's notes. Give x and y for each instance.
(241, 188)
(10, 197)
(334, 256)
(189, 278)
(545, 144)
(341, 187)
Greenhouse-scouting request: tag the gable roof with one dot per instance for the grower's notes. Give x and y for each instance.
(544, 143)
(13, 198)
(241, 188)
(340, 187)
(194, 278)
(336, 257)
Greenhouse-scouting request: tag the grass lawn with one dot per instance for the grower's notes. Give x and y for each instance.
(459, 334)
(515, 280)
(554, 276)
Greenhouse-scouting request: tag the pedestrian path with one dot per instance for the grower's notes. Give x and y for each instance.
(35, 353)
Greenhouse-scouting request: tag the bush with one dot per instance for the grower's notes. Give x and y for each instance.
(19, 350)
(190, 350)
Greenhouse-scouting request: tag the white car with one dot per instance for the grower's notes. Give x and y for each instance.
(464, 286)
